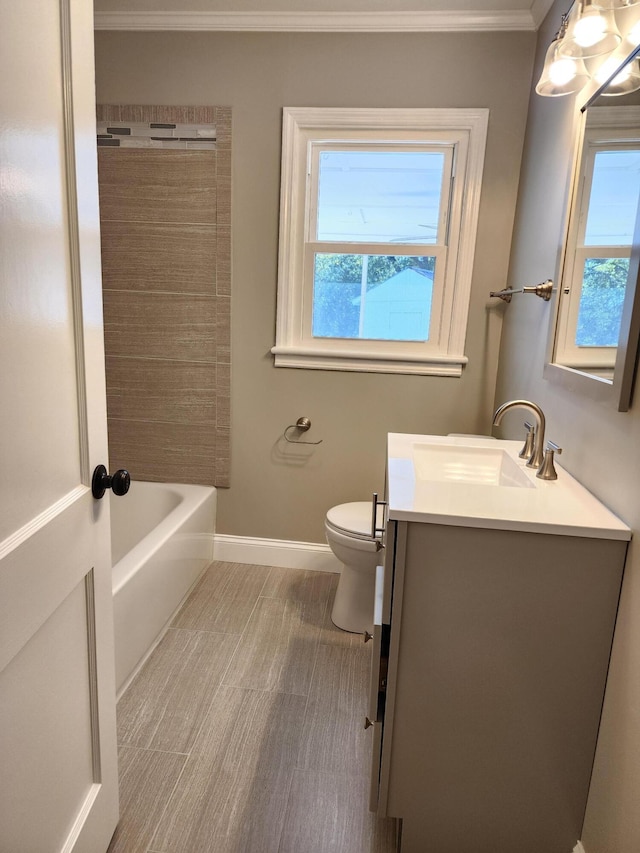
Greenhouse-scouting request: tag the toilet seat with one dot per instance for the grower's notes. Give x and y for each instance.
(352, 520)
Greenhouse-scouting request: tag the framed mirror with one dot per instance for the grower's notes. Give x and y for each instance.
(596, 329)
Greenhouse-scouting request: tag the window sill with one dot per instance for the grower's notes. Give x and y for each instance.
(367, 362)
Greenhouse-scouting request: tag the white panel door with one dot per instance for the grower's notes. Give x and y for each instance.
(58, 777)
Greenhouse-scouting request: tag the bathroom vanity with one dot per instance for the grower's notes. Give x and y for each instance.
(495, 612)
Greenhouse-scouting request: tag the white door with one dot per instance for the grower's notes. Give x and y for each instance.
(58, 770)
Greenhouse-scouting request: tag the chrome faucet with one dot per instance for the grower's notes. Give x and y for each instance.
(537, 457)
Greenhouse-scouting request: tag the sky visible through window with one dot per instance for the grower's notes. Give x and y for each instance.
(376, 197)
(614, 198)
(379, 196)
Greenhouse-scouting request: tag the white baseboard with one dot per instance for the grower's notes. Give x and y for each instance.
(275, 552)
(579, 848)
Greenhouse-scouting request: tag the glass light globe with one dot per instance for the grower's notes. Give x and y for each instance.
(592, 32)
(633, 36)
(561, 75)
(627, 79)
(562, 71)
(606, 70)
(590, 29)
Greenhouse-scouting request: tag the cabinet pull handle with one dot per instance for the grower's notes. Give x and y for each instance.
(374, 516)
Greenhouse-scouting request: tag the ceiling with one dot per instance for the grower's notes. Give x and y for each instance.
(322, 15)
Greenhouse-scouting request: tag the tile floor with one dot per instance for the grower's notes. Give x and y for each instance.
(244, 733)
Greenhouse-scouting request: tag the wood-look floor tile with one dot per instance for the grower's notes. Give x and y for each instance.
(147, 779)
(166, 703)
(224, 599)
(329, 813)
(277, 650)
(334, 738)
(233, 793)
(299, 585)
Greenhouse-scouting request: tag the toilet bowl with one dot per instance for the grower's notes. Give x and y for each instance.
(348, 530)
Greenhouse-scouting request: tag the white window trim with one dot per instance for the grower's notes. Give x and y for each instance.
(292, 349)
(606, 126)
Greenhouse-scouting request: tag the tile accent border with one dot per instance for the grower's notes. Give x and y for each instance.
(283, 553)
(132, 134)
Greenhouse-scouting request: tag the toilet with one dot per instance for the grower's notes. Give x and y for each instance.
(348, 529)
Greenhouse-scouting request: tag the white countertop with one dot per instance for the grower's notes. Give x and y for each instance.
(561, 506)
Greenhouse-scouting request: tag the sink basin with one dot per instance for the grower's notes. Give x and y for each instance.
(473, 481)
(487, 466)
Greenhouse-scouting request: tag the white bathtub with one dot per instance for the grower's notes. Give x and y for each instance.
(161, 541)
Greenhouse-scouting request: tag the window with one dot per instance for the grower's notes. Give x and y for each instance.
(599, 244)
(377, 233)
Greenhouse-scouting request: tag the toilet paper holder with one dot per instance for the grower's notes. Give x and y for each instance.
(302, 424)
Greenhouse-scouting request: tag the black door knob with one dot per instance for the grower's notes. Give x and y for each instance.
(101, 481)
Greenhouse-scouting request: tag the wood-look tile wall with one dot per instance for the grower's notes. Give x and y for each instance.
(166, 265)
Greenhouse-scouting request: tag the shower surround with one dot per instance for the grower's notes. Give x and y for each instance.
(165, 211)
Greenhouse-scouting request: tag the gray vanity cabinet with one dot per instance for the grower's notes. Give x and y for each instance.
(487, 684)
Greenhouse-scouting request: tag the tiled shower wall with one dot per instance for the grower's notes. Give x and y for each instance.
(166, 255)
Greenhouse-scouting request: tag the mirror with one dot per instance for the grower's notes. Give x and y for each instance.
(595, 344)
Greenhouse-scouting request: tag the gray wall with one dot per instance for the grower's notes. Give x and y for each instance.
(601, 448)
(279, 491)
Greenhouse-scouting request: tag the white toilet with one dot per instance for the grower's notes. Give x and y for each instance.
(348, 528)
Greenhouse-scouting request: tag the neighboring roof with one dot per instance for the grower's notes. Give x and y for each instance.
(406, 285)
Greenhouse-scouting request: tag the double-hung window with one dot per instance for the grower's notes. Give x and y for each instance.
(599, 242)
(377, 233)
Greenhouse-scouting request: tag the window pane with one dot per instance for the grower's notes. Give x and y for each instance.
(377, 297)
(379, 196)
(603, 288)
(614, 198)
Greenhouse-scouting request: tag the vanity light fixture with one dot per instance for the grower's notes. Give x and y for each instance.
(591, 32)
(561, 75)
(588, 32)
(628, 80)
(633, 36)
(618, 4)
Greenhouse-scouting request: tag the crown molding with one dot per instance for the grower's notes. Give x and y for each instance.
(539, 11)
(320, 22)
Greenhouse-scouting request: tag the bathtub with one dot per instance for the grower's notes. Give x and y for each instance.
(161, 542)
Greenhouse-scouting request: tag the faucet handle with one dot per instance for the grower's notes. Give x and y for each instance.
(528, 446)
(547, 470)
